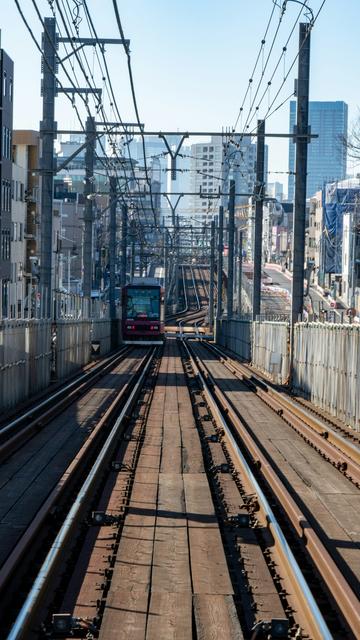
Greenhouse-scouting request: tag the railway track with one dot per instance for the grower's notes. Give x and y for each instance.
(38, 480)
(196, 300)
(173, 532)
(306, 490)
(303, 416)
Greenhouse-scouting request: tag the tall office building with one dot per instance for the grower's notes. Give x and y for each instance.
(327, 153)
(6, 117)
(205, 178)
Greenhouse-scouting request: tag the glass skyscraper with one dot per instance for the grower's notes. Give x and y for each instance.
(327, 153)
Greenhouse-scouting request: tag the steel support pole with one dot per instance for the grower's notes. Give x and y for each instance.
(89, 206)
(166, 260)
(124, 218)
(220, 262)
(259, 191)
(231, 228)
(141, 259)
(212, 276)
(301, 171)
(240, 257)
(177, 255)
(47, 128)
(132, 267)
(132, 259)
(112, 246)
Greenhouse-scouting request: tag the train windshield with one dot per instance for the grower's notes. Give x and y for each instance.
(143, 303)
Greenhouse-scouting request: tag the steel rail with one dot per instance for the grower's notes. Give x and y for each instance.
(195, 289)
(189, 315)
(174, 316)
(341, 591)
(342, 453)
(201, 269)
(27, 611)
(314, 617)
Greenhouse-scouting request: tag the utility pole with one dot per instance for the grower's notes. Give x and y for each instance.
(112, 245)
(88, 208)
(220, 262)
(47, 133)
(124, 214)
(302, 129)
(231, 227)
(240, 244)
(259, 192)
(48, 128)
(212, 275)
(177, 255)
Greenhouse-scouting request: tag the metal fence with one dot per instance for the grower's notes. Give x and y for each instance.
(20, 302)
(25, 359)
(270, 349)
(326, 368)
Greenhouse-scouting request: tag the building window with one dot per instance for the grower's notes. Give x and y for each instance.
(5, 244)
(4, 83)
(10, 89)
(2, 194)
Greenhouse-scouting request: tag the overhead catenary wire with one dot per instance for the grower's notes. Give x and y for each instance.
(111, 90)
(60, 62)
(127, 51)
(99, 105)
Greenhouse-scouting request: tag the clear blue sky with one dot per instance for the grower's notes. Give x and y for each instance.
(192, 60)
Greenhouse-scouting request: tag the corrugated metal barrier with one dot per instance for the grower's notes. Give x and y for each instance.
(235, 335)
(101, 336)
(25, 359)
(270, 349)
(327, 366)
(73, 346)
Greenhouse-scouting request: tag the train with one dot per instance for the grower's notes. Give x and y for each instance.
(142, 313)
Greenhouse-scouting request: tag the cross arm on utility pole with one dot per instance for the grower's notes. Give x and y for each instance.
(84, 42)
(79, 90)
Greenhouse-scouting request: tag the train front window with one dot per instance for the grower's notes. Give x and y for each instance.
(143, 303)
